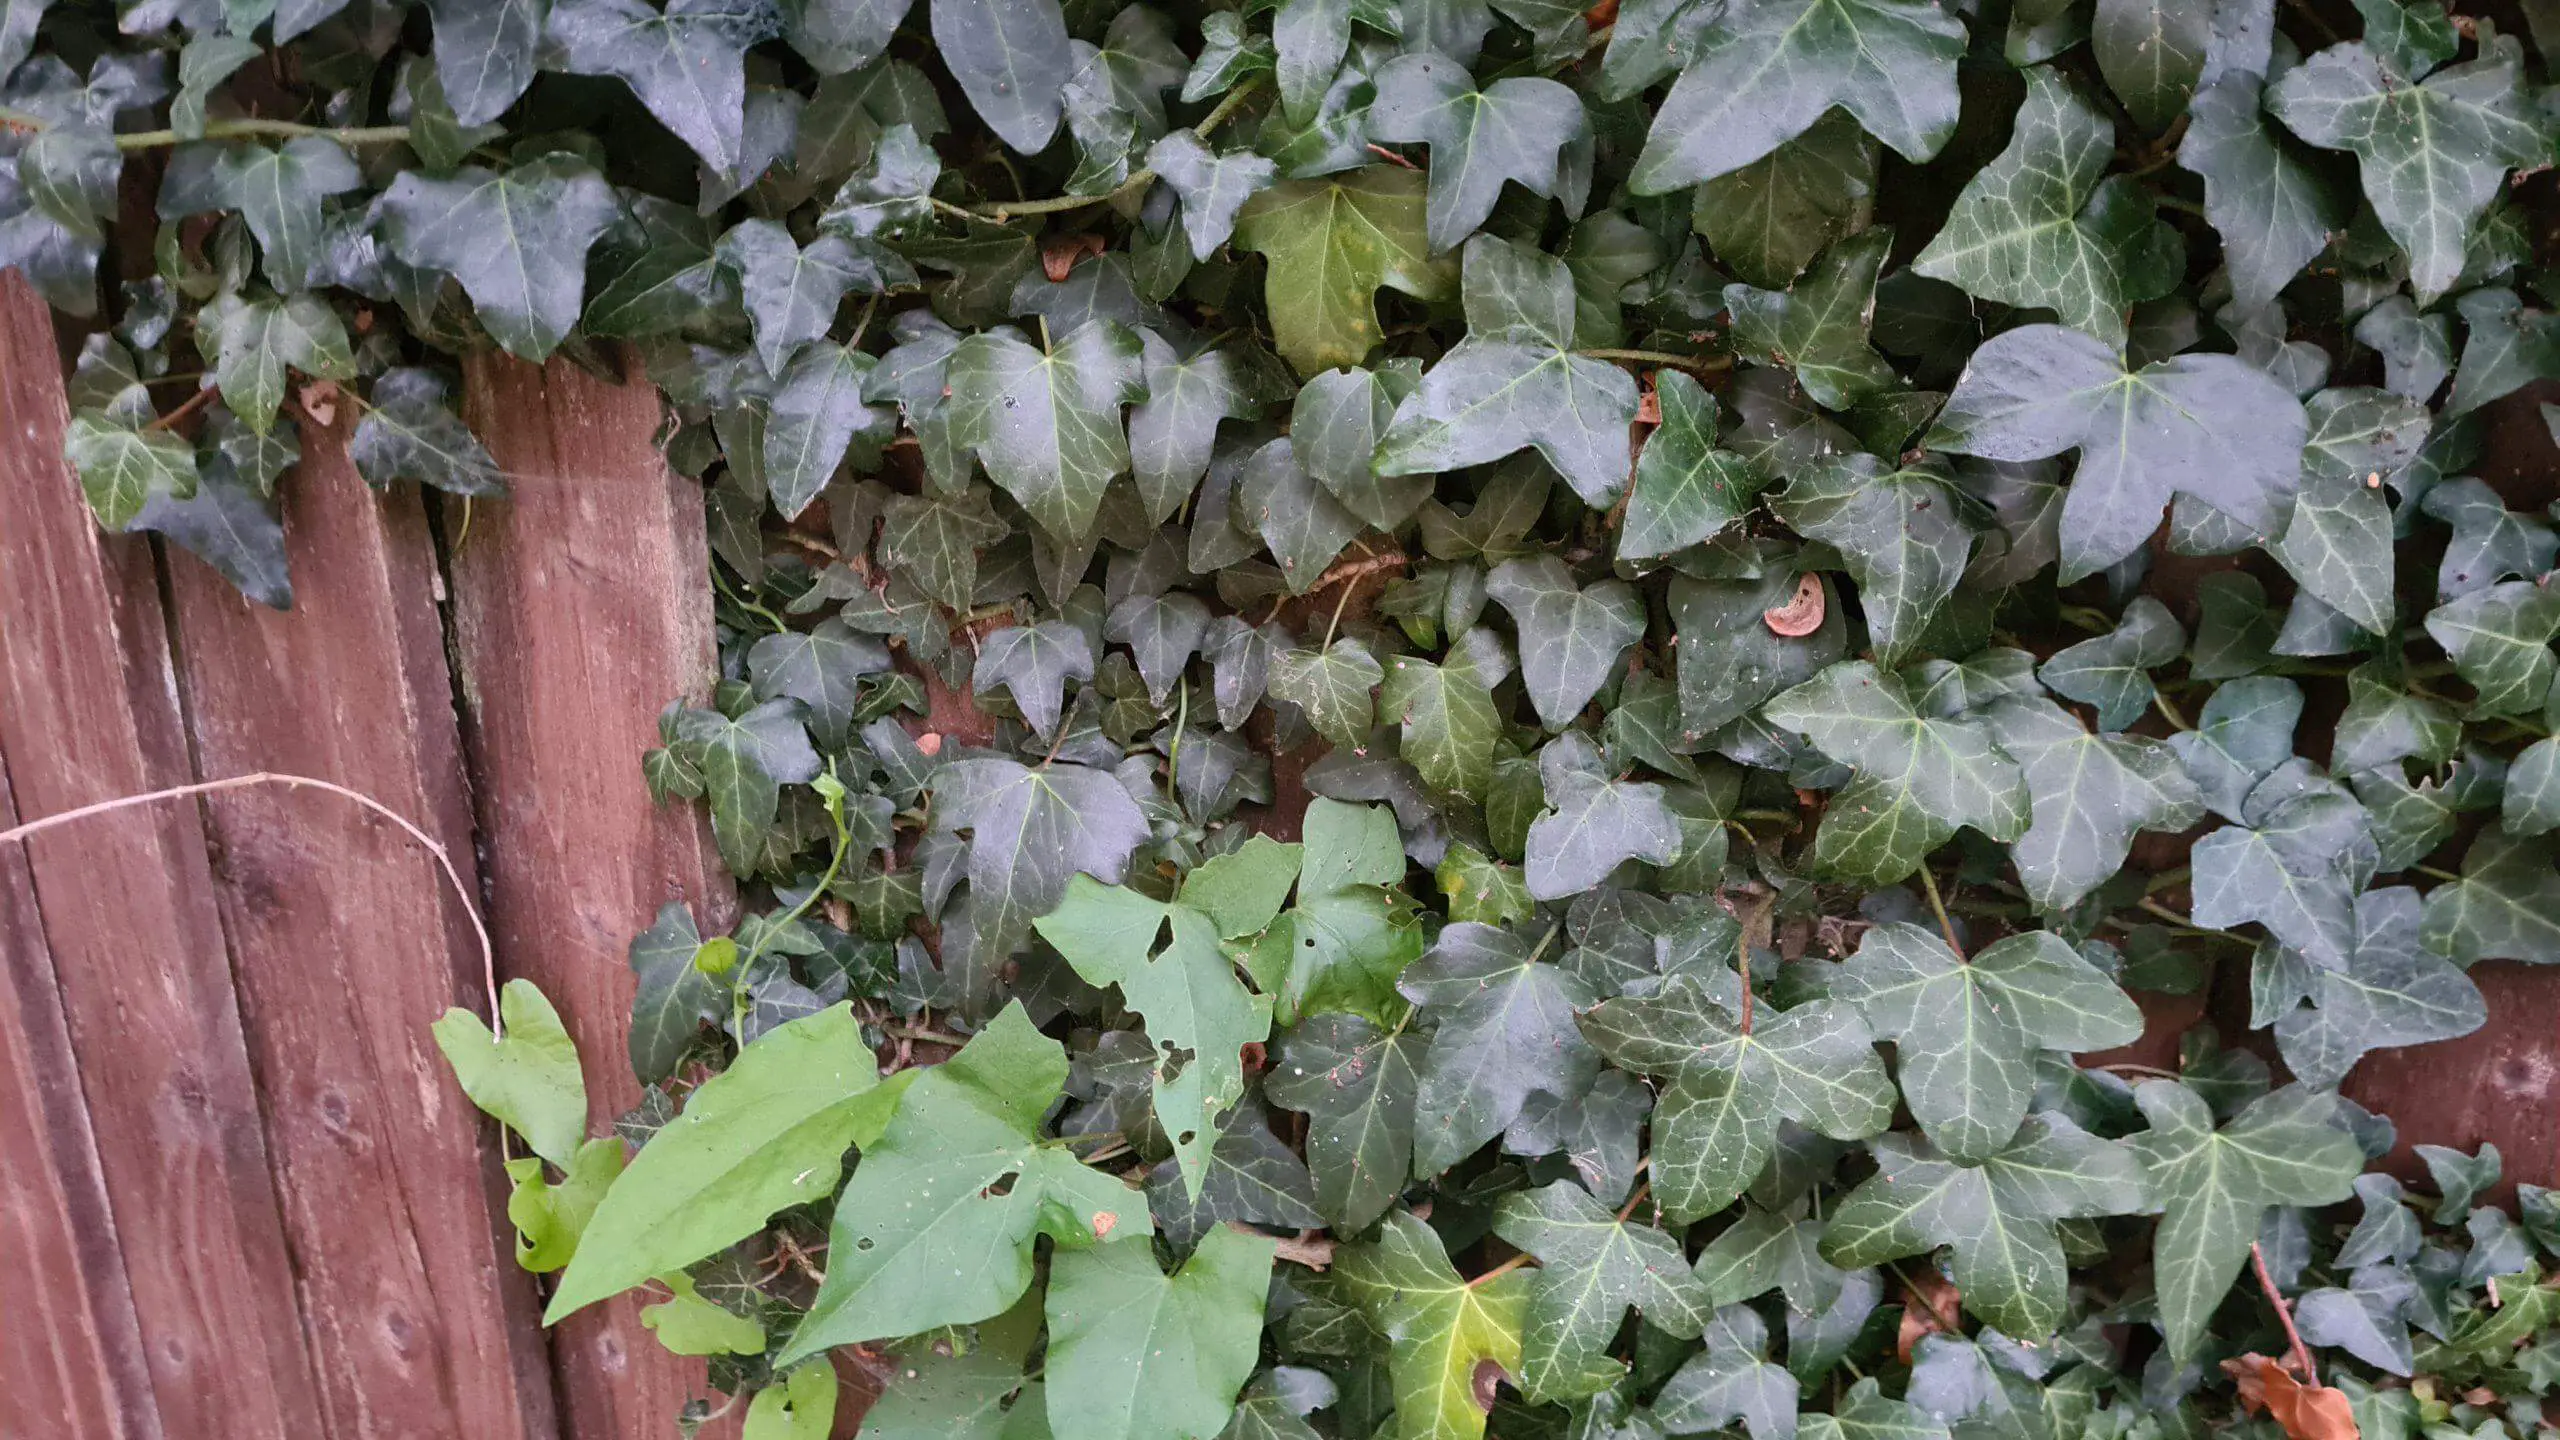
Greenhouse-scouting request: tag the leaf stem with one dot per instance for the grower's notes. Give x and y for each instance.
(1946, 926)
(835, 863)
(2284, 1313)
(2433, 873)
(1643, 1189)
(1137, 182)
(2169, 710)
(243, 129)
(1505, 1268)
(1704, 364)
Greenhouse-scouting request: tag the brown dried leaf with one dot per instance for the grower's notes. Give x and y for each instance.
(1060, 255)
(1801, 615)
(1931, 1305)
(2307, 1412)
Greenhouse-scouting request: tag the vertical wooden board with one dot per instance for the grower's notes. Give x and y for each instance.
(580, 608)
(87, 713)
(2498, 1085)
(71, 1356)
(348, 942)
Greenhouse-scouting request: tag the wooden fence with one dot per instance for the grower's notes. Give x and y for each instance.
(239, 1196)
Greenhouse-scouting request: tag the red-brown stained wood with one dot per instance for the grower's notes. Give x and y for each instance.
(347, 943)
(2498, 1085)
(88, 713)
(580, 608)
(72, 1360)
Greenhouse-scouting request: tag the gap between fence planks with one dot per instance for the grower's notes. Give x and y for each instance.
(126, 913)
(580, 608)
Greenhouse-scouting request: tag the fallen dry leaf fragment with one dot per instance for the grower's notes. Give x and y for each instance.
(1801, 615)
(2307, 1412)
(1931, 1305)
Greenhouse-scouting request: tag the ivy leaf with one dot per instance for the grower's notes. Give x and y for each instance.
(259, 341)
(2296, 871)
(1967, 1032)
(1764, 76)
(2506, 906)
(2392, 992)
(1136, 1353)
(920, 1237)
(1332, 242)
(228, 525)
(1732, 1381)
(2272, 211)
(1898, 531)
(1296, 517)
(892, 194)
(1998, 1217)
(946, 1392)
(1213, 187)
(1253, 1175)
(791, 294)
(673, 999)
(1449, 721)
(1514, 129)
(2433, 154)
(2210, 426)
(1012, 59)
(517, 239)
(2112, 671)
(1503, 1029)
(817, 413)
(1917, 779)
(2383, 723)
(934, 540)
(1818, 326)
(1334, 428)
(2489, 541)
(2500, 642)
(1047, 423)
(1344, 942)
(1594, 1268)
(485, 53)
(1276, 1404)
(279, 194)
(1764, 1250)
(687, 63)
(1685, 489)
(2088, 795)
(1162, 632)
(2151, 53)
(1172, 433)
(1515, 383)
(1441, 1330)
(821, 668)
(1034, 663)
(1594, 824)
(1732, 660)
(409, 433)
(2037, 227)
(1199, 1016)
(1031, 832)
(765, 1134)
(528, 1079)
(1570, 638)
(745, 762)
(1333, 686)
(1769, 219)
(2338, 544)
(2285, 1148)
(1716, 1124)
(1356, 1083)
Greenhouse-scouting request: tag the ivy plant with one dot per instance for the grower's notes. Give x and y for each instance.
(1445, 714)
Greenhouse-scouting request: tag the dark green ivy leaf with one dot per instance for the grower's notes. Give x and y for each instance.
(1593, 1268)
(1502, 1029)
(687, 63)
(409, 433)
(1898, 531)
(1514, 129)
(1685, 489)
(517, 240)
(1917, 779)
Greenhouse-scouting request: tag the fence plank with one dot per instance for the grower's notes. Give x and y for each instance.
(87, 713)
(420, 1320)
(579, 609)
(2498, 1085)
(72, 1364)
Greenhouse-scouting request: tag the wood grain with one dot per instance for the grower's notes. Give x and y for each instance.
(71, 1358)
(347, 943)
(88, 712)
(580, 608)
